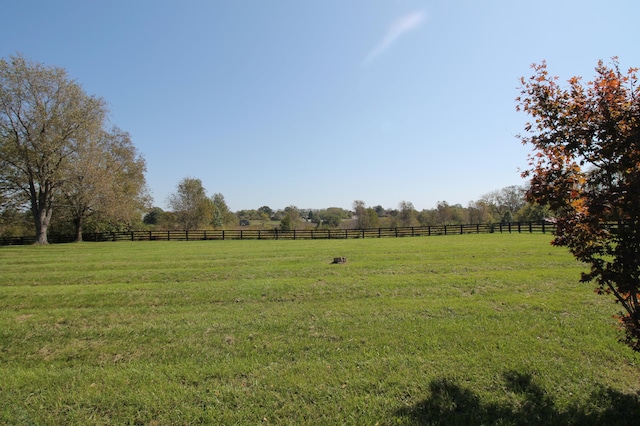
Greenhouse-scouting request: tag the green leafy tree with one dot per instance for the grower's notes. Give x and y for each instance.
(427, 217)
(359, 210)
(44, 118)
(190, 204)
(444, 213)
(160, 219)
(267, 210)
(479, 212)
(391, 219)
(372, 218)
(329, 218)
(222, 216)
(285, 224)
(106, 179)
(406, 213)
(366, 217)
(380, 211)
(248, 214)
(218, 218)
(153, 216)
(585, 167)
(15, 222)
(533, 212)
(264, 219)
(291, 218)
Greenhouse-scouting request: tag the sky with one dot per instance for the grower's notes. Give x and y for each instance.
(320, 103)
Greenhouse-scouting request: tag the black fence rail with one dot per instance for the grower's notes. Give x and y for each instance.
(301, 234)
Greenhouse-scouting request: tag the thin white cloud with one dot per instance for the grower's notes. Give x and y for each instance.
(397, 28)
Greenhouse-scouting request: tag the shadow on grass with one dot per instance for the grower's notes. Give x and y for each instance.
(451, 404)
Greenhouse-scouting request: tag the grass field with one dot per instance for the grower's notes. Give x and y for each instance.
(473, 329)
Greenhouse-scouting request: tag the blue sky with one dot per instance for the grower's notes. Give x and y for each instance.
(320, 103)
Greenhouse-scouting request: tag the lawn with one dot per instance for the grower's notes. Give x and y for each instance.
(468, 329)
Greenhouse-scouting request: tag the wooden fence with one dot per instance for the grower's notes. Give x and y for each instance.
(302, 234)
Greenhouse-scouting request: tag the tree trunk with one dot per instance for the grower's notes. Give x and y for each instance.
(41, 207)
(78, 224)
(42, 217)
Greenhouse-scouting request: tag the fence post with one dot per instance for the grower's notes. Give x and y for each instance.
(530, 228)
(519, 228)
(461, 229)
(543, 230)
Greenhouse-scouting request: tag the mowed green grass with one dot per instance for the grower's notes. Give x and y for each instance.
(473, 329)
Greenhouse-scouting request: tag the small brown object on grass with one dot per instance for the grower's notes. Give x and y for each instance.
(339, 260)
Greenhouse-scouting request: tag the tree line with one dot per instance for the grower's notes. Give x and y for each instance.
(192, 209)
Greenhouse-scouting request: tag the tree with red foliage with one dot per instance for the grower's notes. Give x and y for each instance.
(585, 166)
